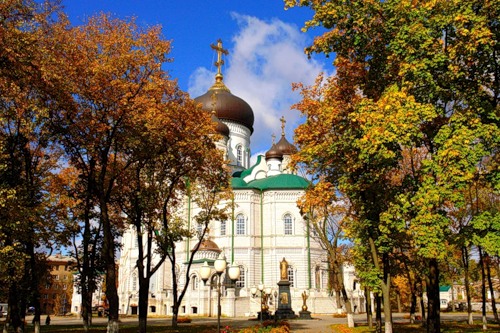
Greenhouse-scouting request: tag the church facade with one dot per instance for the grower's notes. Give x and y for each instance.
(265, 226)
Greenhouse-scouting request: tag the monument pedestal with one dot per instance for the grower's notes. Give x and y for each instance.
(304, 314)
(285, 301)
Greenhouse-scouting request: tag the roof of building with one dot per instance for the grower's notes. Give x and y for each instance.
(285, 147)
(444, 288)
(207, 245)
(274, 152)
(282, 181)
(228, 107)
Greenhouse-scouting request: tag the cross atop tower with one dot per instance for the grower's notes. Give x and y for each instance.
(220, 52)
(283, 121)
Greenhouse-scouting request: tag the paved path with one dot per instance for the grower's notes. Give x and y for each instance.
(319, 323)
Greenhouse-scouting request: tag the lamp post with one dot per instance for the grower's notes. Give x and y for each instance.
(264, 292)
(220, 265)
(275, 304)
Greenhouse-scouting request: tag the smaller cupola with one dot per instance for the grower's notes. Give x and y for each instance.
(274, 153)
(283, 146)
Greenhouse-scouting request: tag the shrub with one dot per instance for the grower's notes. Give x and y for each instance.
(339, 315)
(183, 320)
(268, 326)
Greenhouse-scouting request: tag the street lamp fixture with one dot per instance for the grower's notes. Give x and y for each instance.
(220, 265)
(264, 294)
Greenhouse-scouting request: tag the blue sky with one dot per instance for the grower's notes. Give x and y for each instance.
(265, 47)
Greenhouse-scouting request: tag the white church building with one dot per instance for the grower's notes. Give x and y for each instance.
(264, 227)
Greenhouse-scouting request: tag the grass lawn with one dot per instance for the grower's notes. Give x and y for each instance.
(448, 327)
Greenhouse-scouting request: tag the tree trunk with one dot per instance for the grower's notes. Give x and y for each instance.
(368, 302)
(378, 313)
(386, 294)
(175, 314)
(422, 309)
(13, 310)
(483, 288)
(109, 258)
(338, 300)
(86, 306)
(490, 286)
(143, 303)
(465, 261)
(433, 318)
(35, 285)
(413, 302)
(452, 297)
(398, 299)
(345, 297)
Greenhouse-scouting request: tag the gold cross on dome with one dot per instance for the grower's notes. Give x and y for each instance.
(283, 121)
(220, 52)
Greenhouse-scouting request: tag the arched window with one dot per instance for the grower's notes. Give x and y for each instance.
(239, 155)
(288, 224)
(194, 282)
(291, 276)
(240, 224)
(240, 283)
(317, 277)
(223, 228)
(134, 282)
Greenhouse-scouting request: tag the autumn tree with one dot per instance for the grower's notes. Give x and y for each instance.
(113, 76)
(420, 77)
(78, 215)
(28, 157)
(172, 158)
(325, 215)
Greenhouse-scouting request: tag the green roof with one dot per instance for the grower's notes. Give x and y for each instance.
(247, 172)
(444, 288)
(282, 181)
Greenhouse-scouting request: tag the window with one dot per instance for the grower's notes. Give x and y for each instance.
(223, 228)
(134, 282)
(288, 224)
(152, 309)
(194, 282)
(291, 276)
(56, 277)
(239, 155)
(65, 286)
(240, 224)
(317, 277)
(240, 283)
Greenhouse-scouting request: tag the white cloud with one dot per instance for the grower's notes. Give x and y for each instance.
(266, 58)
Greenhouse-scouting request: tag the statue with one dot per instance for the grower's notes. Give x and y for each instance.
(284, 270)
(304, 298)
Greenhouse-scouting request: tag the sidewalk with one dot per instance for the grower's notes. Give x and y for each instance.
(319, 323)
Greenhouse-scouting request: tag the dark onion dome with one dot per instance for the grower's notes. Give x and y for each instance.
(285, 147)
(228, 106)
(207, 245)
(274, 152)
(220, 127)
